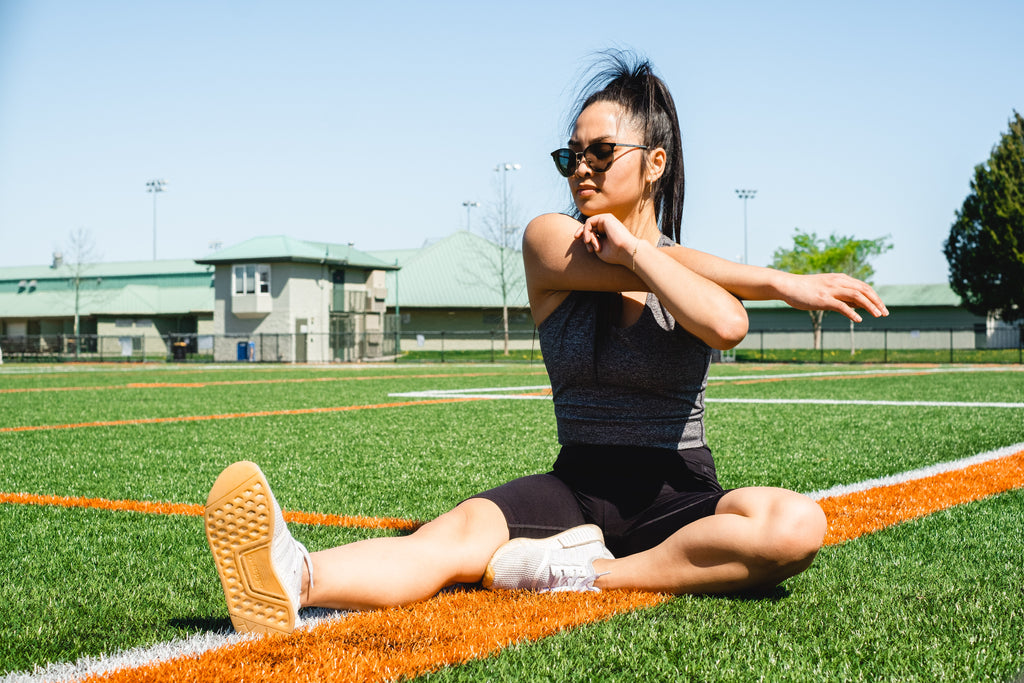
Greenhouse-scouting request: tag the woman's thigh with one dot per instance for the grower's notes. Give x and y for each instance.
(536, 506)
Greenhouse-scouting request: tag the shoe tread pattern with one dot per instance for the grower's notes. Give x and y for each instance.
(239, 520)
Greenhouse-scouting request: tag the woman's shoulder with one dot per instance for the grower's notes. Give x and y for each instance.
(548, 223)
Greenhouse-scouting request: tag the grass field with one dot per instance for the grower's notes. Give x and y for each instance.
(92, 566)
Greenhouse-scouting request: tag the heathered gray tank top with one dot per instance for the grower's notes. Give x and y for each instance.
(641, 385)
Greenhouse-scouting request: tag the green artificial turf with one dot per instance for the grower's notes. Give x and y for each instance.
(935, 599)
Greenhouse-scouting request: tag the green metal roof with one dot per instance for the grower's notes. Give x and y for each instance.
(455, 272)
(104, 270)
(277, 248)
(132, 300)
(896, 295)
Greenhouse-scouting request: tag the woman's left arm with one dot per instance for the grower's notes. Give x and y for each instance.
(821, 292)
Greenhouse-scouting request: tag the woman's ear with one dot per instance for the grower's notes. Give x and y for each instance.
(657, 158)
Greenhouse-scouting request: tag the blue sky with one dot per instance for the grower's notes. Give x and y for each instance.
(371, 123)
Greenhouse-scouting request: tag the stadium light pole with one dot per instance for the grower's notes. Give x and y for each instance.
(504, 169)
(745, 195)
(155, 186)
(469, 207)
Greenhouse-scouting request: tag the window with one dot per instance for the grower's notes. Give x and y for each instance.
(252, 278)
(263, 277)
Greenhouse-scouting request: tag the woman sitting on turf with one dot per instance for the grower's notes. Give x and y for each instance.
(627, 322)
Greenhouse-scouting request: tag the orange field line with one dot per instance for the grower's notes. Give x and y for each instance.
(195, 510)
(398, 643)
(854, 514)
(233, 416)
(456, 627)
(291, 380)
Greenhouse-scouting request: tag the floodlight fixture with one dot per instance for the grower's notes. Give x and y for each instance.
(745, 195)
(155, 186)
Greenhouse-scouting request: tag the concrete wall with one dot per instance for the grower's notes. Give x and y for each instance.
(296, 311)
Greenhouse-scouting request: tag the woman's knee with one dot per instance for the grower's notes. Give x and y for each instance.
(476, 522)
(790, 526)
(797, 527)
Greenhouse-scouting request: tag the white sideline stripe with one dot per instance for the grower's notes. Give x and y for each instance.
(153, 654)
(861, 402)
(495, 393)
(481, 392)
(204, 642)
(858, 373)
(921, 473)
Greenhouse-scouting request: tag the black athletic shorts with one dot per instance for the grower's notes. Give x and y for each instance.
(638, 496)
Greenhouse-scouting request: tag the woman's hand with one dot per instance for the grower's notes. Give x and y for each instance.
(607, 237)
(831, 292)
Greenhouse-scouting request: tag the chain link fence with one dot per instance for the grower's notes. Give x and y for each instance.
(941, 345)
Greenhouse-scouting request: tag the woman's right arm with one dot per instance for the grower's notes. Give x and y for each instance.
(557, 263)
(561, 255)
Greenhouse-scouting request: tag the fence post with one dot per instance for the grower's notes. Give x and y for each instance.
(885, 346)
(951, 345)
(442, 346)
(492, 346)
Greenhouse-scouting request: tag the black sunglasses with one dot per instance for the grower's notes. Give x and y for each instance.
(599, 156)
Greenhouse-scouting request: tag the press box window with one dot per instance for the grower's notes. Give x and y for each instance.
(252, 278)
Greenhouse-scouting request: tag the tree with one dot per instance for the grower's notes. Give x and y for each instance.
(502, 226)
(985, 248)
(78, 260)
(835, 254)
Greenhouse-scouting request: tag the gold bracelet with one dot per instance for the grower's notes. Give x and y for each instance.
(633, 258)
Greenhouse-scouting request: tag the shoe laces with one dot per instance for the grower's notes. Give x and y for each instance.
(571, 578)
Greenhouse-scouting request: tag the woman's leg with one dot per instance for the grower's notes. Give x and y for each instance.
(383, 572)
(758, 537)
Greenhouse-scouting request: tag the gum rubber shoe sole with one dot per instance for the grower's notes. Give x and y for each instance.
(239, 520)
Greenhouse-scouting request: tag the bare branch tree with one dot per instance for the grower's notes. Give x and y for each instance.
(503, 226)
(77, 261)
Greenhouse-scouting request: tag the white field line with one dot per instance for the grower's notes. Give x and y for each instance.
(921, 473)
(864, 402)
(161, 652)
(501, 393)
(483, 392)
(860, 373)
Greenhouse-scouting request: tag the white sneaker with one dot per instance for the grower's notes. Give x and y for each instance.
(259, 563)
(564, 562)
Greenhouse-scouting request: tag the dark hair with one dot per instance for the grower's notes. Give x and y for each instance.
(629, 81)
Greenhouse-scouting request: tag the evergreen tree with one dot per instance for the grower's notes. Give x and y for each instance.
(985, 248)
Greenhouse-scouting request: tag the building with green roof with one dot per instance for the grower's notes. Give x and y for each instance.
(283, 299)
(454, 286)
(123, 309)
(278, 298)
(920, 316)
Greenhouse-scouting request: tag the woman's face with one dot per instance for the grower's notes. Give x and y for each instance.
(619, 189)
